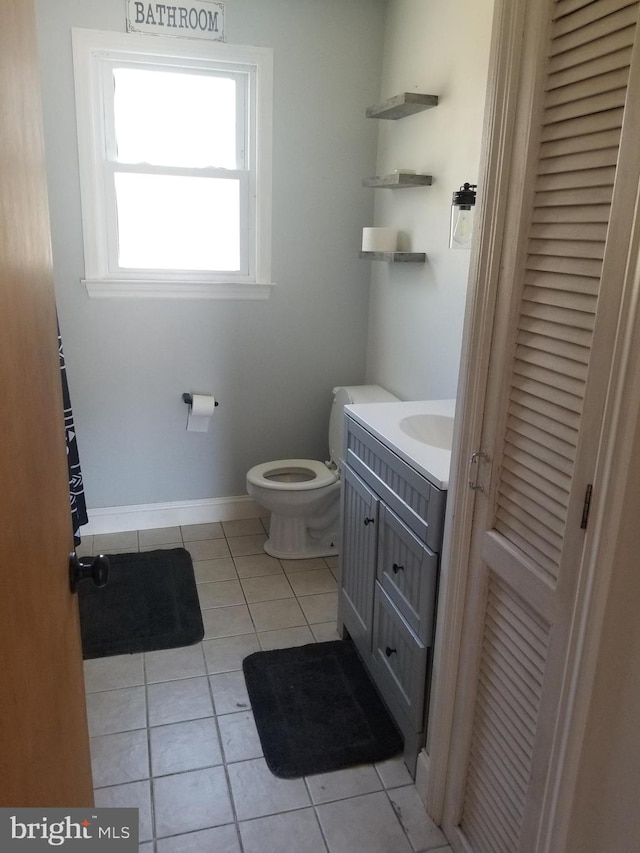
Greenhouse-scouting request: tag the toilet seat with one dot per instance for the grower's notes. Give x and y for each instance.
(303, 495)
(292, 475)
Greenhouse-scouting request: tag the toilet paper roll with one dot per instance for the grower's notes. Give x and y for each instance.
(200, 413)
(379, 239)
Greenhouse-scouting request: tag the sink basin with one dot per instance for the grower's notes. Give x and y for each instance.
(431, 429)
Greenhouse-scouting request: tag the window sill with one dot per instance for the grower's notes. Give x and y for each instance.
(105, 288)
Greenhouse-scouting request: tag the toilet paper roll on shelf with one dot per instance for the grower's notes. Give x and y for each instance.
(379, 239)
(201, 409)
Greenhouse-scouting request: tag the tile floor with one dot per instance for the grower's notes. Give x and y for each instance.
(172, 732)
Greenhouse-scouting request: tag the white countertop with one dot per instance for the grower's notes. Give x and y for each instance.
(383, 421)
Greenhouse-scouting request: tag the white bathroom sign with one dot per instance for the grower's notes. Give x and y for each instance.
(202, 19)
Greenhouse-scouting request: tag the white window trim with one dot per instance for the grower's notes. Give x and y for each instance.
(88, 46)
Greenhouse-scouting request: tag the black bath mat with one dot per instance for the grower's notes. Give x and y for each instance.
(316, 710)
(150, 602)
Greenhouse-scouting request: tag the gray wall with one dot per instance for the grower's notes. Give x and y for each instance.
(439, 47)
(271, 364)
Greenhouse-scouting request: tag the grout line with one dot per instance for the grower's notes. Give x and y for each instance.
(224, 764)
(318, 821)
(314, 806)
(152, 802)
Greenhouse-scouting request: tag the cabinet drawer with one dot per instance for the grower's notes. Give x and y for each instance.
(407, 571)
(400, 658)
(411, 496)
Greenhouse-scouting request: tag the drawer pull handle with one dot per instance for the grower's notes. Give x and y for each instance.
(397, 568)
(389, 651)
(368, 521)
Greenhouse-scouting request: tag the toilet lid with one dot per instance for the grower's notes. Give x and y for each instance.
(291, 475)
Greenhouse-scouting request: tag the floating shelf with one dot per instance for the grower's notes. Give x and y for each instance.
(402, 105)
(397, 181)
(395, 257)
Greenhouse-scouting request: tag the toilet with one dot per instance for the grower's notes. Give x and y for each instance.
(303, 495)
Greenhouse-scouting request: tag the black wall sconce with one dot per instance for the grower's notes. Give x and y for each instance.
(463, 207)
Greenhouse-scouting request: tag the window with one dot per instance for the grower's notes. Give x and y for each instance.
(174, 144)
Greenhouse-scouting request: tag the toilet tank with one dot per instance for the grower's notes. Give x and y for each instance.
(344, 395)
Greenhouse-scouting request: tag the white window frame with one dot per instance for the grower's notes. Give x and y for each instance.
(95, 53)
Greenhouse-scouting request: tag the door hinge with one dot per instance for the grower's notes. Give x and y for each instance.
(586, 507)
(475, 476)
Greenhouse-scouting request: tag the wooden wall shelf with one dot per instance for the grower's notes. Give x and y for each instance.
(397, 181)
(395, 257)
(402, 105)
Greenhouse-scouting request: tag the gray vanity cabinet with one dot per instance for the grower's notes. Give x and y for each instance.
(392, 519)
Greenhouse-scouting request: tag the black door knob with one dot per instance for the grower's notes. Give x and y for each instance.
(82, 568)
(397, 568)
(368, 521)
(389, 651)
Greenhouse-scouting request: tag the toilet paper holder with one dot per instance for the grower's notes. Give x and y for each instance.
(188, 399)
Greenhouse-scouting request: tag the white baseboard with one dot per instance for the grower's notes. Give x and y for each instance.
(422, 776)
(117, 519)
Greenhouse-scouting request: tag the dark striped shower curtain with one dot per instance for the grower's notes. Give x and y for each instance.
(76, 488)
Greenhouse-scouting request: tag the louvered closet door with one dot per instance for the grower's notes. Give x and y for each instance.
(547, 383)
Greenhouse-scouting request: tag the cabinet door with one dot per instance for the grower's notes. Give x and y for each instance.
(558, 351)
(360, 525)
(400, 661)
(407, 571)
